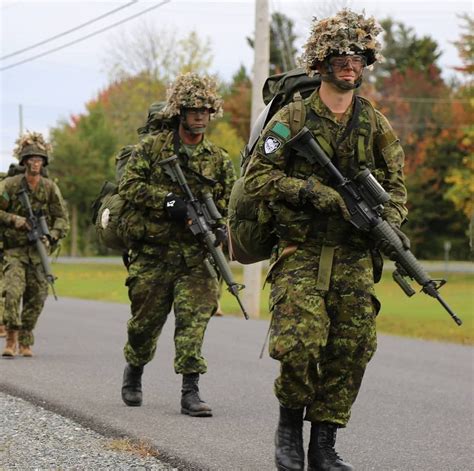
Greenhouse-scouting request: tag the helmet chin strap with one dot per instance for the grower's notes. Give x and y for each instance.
(342, 84)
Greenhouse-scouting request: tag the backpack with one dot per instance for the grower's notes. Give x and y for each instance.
(251, 235)
(109, 207)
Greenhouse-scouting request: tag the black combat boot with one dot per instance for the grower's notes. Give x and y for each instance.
(289, 452)
(321, 453)
(132, 385)
(191, 403)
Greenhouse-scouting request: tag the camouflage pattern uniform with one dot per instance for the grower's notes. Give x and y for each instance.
(166, 266)
(25, 284)
(322, 299)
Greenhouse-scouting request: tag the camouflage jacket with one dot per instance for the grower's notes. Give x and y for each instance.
(144, 185)
(45, 198)
(276, 174)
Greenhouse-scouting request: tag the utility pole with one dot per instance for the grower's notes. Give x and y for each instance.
(20, 115)
(253, 273)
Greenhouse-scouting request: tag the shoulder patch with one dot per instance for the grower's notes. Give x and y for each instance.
(271, 144)
(281, 130)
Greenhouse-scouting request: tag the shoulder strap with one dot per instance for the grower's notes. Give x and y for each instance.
(297, 111)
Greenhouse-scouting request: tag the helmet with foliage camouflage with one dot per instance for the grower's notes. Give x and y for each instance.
(32, 144)
(345, 33)
(193, 91)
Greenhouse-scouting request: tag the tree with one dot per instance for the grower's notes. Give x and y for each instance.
(157, 53)
(237, 103)
(403, 51)
(282, 47)
(83, 158)
(465, 45)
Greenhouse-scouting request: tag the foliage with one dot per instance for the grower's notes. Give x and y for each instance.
(83, 158)
(403, 51)
(465, 45)
(224, 135)
(237, 104)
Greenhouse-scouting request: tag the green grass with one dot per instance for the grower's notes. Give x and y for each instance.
(419, 316)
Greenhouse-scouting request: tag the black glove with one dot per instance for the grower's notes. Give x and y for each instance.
(221, 235)
(175, 207)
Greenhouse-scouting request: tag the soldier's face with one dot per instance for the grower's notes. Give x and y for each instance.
(196, 119)
(348, 68)
(34, 165)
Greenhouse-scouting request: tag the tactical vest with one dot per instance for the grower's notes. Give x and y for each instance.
(351, 149)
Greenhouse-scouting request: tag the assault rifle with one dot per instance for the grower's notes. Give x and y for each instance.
(39, 230)
(201, 218)
(364, 198)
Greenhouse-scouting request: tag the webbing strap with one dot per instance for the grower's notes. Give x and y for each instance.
(297, 114)
(325, 267)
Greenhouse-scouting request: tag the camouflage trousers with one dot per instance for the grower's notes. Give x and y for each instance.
(2, 299)
(322, 338)
(25, 286)
(154, 286)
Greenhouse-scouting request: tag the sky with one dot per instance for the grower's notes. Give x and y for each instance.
(51, 88)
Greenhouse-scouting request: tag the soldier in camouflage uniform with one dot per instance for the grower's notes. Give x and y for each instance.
(322, 298)
(166, 266)
(25, 283)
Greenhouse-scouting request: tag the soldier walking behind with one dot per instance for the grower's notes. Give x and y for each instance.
(322, 298)
(166, 264)
(24, 278)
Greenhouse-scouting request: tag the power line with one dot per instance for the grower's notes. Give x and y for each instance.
(113, 25)
(52, 38)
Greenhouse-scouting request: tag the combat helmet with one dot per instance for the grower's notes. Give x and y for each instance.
(32, 144)
(346, 33)
(191, 90)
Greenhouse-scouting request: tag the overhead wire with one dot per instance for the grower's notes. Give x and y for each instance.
(69, 31)
(95, 33)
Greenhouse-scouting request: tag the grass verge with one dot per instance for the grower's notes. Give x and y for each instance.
(419, 316)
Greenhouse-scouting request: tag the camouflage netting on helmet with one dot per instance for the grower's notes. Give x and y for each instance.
(345, 33)
(193, 91)
(30, 144)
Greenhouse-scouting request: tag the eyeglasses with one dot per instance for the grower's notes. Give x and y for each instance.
(340, 62)
(197, 111)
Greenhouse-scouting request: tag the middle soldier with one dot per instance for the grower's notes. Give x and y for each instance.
(167, 267)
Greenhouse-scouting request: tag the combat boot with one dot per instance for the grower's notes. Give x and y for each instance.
(191, 402)
(11, 343)
(3, 332)
(321, 453)
(132, 385)
(25, 350)
(289, 451)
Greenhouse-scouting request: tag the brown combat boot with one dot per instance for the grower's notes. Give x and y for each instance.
(25, 350)
(10, 346)
(3, 332)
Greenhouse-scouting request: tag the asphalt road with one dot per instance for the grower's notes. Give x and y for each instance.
(414, 412)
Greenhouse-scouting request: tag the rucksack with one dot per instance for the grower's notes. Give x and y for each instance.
(109, 207)
(251, 233)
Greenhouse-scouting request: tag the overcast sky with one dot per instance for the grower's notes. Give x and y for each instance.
(55, 86)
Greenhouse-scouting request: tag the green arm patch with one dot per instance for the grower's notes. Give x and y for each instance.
(281, 130)
(6, 196)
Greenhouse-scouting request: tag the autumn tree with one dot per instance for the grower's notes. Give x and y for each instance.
(84, 150)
